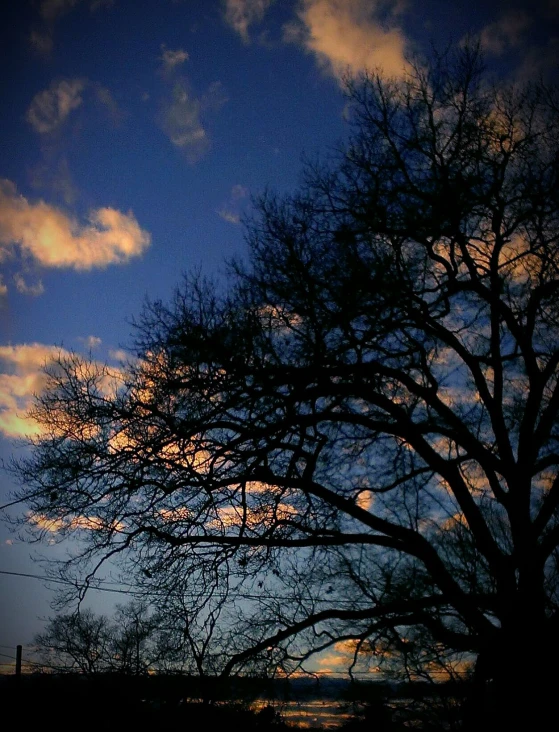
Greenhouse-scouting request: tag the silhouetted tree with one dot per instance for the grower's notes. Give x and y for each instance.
(360, 436)
(76, 642)
(88, 643)
(134, 639)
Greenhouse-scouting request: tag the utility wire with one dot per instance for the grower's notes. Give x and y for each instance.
(233, 595)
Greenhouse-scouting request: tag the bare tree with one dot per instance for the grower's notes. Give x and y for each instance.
(134, 647)
(354, 447)
(84, 642)
(76, 643)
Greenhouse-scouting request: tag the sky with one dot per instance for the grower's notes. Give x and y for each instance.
(135, 134)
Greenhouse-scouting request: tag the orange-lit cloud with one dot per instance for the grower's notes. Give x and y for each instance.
(241, 14)
(347, 37)
(22, 377)
(22, 366)
(54, 239)
(50, 108)
(88, 523)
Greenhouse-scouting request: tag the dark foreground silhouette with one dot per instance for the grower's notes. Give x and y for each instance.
(120, 702)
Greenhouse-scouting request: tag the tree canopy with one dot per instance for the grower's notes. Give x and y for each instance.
(354, 445)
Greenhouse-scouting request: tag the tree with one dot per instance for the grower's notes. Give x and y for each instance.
(87, 643)
(76, 642)
(355, 446)
(134, 639)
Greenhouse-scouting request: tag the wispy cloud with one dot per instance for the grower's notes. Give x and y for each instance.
(105, 99)
(91, 341)
(172, 58)
(180, 121)
(241, 14)
(350, 36)
(50, 108)
(53, 174)
(180, 118)
(54, 239)
(231, 210)
(506, 33)
(41, 37)
(117, 354)
(24, 288)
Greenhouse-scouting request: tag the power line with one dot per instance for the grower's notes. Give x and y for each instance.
(67, 582)
(233, 595)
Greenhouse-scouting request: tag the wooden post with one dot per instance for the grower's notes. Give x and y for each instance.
(18, 661)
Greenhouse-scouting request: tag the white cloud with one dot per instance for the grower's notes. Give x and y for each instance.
(230, 216)
(348, 36)
(171, 59)
(119, 355)
(24, 378)
(241, 14)
(50, 108)
(91, 341)
(54, 239)
(26, 289)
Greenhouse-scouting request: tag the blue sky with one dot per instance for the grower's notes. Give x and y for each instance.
(134, 133)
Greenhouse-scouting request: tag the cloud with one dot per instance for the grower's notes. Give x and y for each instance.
(41, 39)
(22, 378)
(180, 118)
(25, 289)
(91, 341)
(54, 175)
(349, 36)
(51, 10)
(506, 33)
(241, 14)
(108, 103)
(50, 108)
(171, 59)
(180, 121)
(117, 354)
(54, 239)
(3, 287)
(231, 211)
